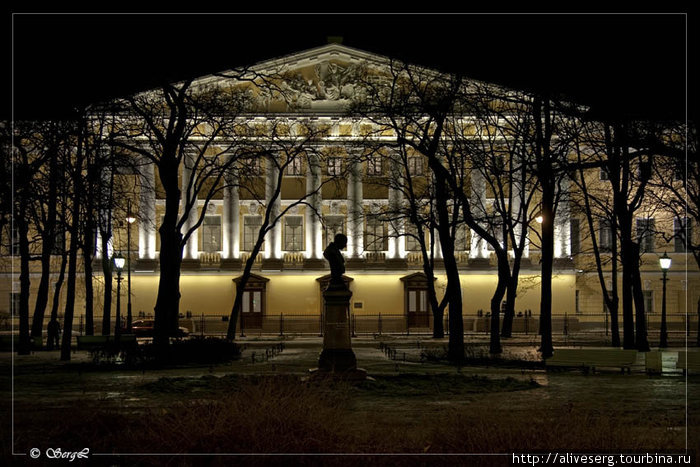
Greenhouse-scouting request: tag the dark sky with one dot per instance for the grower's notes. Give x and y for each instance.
(622, 63)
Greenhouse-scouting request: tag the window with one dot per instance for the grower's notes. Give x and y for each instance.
(645, 235)
(14, 303)
(605, 235)
(253, 166)
(648, 301)
(681, 233)
(251, 227)
(374, 166)
(334, 225)
(293, 233)
(60, 241)
(335, 165)
(412, 243)
(415, 165)
(575, 236)
(211, 234)
(252, 301)
(417, 301)
(294, 168)
(14, 247)
(497, 231)
(606, 308)
(604, 173)
(461, 239)
(577, 304)
(375, 237)
(499, 162)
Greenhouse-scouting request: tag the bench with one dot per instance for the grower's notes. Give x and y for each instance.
(688, 361)
(590, 359)
(91, 343)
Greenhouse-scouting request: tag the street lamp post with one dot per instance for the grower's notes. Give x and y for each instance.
(665, 263)
(130, 219)
(118, 265)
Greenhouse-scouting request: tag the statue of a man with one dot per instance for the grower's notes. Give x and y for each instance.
(337, 262)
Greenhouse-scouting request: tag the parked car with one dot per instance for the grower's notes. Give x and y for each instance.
(145, 327)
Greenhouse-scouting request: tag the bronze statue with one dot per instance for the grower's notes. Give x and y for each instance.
(337, 262)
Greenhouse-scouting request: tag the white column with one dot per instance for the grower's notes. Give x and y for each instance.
(562, 224)
(395, 230)
(314, 230)
(355, 214)
(273, 250)
(147, 211)
(478, 247)
(192, 246)
(231, 218)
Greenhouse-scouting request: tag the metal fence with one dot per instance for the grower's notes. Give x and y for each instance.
(578, 325)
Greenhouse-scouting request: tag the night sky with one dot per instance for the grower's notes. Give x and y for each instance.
(620, 64)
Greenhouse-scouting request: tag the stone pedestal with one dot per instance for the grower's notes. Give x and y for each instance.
(337, 357)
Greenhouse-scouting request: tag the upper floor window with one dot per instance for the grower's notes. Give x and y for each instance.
(294, 168)
(334, 225)
(681, 233)
(575, 236)
(293, 233)
(211, 234)
(335, 165)
(253, 166)
(604, 174)
(374, 166)
(645, 235)
(605, 235)
(375, 235)
(412, 241)
(251, 228)
(415, 165)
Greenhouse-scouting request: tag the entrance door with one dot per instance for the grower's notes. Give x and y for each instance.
(252, 309)
(417, 307)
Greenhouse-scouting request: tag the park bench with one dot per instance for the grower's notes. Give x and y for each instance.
(688, 361)
(92, 343)
(590, 359)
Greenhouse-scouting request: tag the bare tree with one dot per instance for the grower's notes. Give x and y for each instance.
(195, 128)
(415, 105)
(278, 150)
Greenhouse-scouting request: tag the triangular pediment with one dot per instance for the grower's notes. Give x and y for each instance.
(318, 80)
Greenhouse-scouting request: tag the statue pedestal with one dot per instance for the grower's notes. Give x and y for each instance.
(337, 357)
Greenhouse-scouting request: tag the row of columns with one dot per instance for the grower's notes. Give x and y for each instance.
(314, 228)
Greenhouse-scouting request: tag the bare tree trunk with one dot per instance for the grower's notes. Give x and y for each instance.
(496, 299)
(70, 292)
(88, 244)
(511, 294)
(638, 296)
(24, 345)
(546, 346)
(107, 272)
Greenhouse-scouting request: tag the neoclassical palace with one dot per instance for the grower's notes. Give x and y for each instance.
(384, 267)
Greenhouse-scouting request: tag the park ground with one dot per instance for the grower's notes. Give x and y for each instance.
(264, 410)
